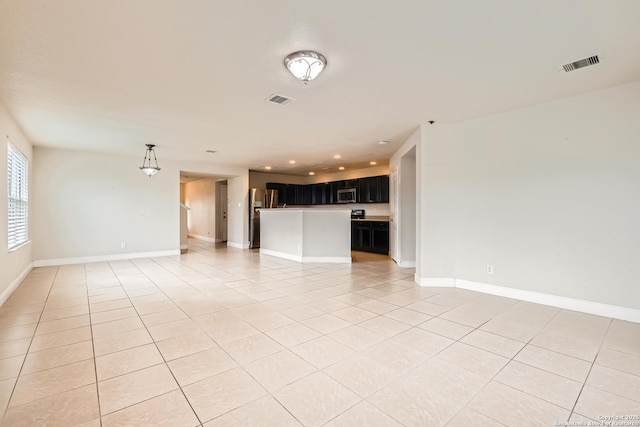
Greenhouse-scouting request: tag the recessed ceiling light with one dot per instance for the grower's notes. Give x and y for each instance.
(312, 173)
(337, 156)
(341, 168)
(383, 142)
(373, 163)
(292, 162)
(268, 168)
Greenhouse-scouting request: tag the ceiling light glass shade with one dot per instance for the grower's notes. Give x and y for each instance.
(305, 65)
(147, 167)
(149, 170)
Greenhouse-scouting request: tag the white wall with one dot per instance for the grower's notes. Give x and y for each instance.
(89, 203)
(15, 264)
(238, 211)
(200, 197)
(405, 216)
(549, 195)
(86, 204)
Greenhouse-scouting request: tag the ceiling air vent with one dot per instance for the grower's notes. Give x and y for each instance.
(211, 151)
(279, 99)
(586, 62)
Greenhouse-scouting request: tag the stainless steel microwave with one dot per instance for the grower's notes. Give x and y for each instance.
(347, 195)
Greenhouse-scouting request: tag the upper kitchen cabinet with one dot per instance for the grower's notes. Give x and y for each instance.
(347, 183)
(383, 188)
(374, 189)
(331, 193)
(319, 194)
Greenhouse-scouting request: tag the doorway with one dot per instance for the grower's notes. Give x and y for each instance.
(406, 210)
(222, 208)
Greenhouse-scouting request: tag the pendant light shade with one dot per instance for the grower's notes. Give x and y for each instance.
(305, 65)
(147, 167)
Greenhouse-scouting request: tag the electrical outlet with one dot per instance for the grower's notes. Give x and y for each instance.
(489, 269)
(123, 245)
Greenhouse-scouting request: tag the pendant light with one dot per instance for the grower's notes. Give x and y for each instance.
(305, 65)
(146, 167)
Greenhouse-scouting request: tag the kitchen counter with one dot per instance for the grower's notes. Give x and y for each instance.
(372, 218)
(306, 234)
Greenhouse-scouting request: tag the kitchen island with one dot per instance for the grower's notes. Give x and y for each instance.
(306, 234)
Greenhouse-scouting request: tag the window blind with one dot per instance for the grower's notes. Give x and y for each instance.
(18, 196)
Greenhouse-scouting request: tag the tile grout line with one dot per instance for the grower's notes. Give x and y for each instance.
(155, 344)
(466, 405)
(93, 349)
(604, 337)
(272, 395)
(169, 264)
(29, 347)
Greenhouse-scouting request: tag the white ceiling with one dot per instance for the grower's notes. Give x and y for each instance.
(112, 75)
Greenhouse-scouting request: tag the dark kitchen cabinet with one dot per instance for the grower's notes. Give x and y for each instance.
(331, 193)
(380, 237)
(347, 183)
(308, 194)
(374, 189)
(303, 195)
(383, 189)
(318, 194)
(291, 194)
(370, 236)
(360, 235)
(367, 189)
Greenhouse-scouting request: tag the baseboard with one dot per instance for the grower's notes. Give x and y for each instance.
(440, 282)
(300, 258)
(184, 246)
(4, 296)
(327, 259)
(599, 309)
(406, 264)
(203, 238)
(103, 258)
(283, 255)
(238, 245)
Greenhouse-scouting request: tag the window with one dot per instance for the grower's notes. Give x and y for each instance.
(18, 196)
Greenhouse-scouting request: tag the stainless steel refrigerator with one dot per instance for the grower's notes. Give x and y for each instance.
(259, 199)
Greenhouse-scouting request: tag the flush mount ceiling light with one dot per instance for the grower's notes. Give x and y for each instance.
(268, 168)
(305, 65)
(373, 163)
(146, 167)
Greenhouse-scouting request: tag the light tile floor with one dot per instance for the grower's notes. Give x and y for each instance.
(224, 337)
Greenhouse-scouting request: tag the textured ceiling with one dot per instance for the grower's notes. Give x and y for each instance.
(192, 75)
